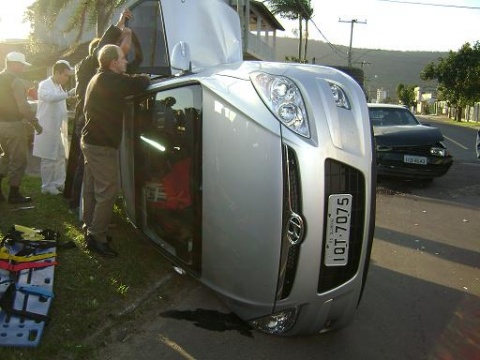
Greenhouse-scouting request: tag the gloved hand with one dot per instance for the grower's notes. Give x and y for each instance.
(38, 128)
(71, 92)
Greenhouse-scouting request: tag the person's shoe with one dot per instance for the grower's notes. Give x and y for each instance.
(19, 199)
(53, 191)
(14, 197)
(100, 247)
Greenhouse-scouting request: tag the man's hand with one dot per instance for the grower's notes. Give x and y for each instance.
(38, 128)
(126, 15)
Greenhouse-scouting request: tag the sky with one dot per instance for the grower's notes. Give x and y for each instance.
(406, 25)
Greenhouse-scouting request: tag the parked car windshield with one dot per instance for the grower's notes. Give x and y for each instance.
(383, 116)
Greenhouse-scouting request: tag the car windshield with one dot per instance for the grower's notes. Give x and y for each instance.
(391, 117)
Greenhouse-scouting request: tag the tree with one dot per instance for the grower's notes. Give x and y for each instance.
(85, 15)
(406, 94)
(308, 16)
(458, 76)
(300, 10)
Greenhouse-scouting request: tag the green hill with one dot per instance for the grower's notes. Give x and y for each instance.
(382, 68)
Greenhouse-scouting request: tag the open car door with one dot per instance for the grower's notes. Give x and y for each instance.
(172, 35)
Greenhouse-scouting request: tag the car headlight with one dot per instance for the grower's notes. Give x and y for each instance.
(341, 99)
(438, 151)
(277, 323)
(284, 100)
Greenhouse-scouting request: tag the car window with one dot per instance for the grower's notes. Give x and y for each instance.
(391, 117)
(169, 151)
(148, 26)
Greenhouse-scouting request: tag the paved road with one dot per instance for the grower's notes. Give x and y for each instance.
(459, 140)
(421, 301)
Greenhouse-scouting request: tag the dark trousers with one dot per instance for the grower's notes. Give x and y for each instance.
(76, 188)
(74, 179)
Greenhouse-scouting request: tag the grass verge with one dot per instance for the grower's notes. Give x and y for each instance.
(91, 292)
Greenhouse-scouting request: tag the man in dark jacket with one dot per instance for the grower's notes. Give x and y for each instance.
(101, 137)
(14, 108)
(85, 70)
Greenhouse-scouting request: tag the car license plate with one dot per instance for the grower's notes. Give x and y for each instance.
(338, 229)
(412, 159)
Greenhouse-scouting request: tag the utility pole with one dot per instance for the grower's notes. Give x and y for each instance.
(362, 63)
(352, 22)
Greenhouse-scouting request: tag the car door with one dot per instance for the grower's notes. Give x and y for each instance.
(172, 40)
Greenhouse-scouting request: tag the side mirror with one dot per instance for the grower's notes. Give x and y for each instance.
(180, 58)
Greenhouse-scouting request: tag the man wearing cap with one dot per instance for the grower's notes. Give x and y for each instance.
(52, 144)
(14, 108)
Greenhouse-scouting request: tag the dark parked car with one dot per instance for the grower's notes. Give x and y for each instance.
(406, 148)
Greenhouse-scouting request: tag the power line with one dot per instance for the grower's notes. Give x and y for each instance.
(332, 46)
(335, 49)
(429, 4)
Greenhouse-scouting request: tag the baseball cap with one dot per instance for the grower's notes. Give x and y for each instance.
(15, 56)
(70, 68)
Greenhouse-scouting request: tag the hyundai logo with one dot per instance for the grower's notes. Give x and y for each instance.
(295, 228)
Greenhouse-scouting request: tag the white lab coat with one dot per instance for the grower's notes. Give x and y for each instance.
(53, 117)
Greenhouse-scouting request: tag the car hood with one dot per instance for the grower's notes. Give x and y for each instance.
(415, 135)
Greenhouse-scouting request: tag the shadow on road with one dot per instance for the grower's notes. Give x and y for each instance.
(445, 251)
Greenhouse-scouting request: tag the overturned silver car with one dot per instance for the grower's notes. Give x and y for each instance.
(256, 178)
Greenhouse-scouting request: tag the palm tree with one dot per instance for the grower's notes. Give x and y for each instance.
(308, 12)
(85, 14)
(294, 10)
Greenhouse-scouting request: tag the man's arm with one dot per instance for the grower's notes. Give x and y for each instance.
(126, 37)
(48, 94)
(115, 32)
(126, 15)
(24, 108)
(131, 84)
(110, 36)
(126, 40)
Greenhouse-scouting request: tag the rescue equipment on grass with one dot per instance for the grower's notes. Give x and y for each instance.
(27, 263)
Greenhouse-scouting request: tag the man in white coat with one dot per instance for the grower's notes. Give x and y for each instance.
(51, 145)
